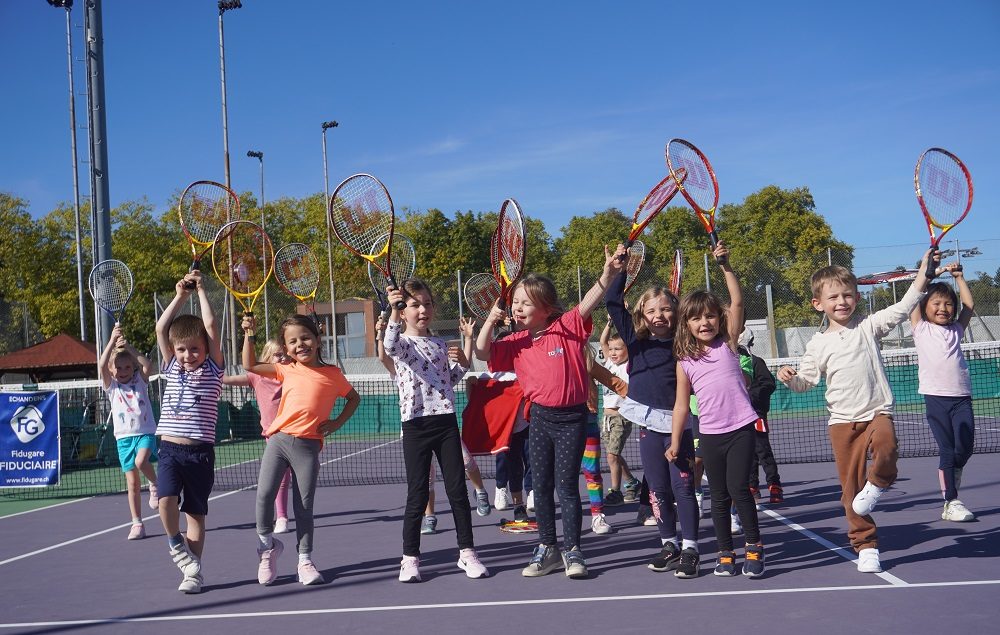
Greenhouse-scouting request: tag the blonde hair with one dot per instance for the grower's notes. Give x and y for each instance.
(542, 293)
(638, 321)
(833, 273)
(694, 304)
(126, 354)
(271, 348)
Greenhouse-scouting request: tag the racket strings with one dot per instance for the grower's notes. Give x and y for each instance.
(243, 259)
(297, 270)
(481, 292)
(944, 188)
(111, 285)
(206, 207)
(657, 199)
(510, 247)
(401, 264)
(361, 213)
(699, 184)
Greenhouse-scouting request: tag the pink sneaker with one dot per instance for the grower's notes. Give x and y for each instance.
(267, 570)
(138, 532)
(308, 574)
(154, 497)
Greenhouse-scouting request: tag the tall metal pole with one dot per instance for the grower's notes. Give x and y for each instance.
(329, 242)
(267, 311)
(68, 5)
(226, 5)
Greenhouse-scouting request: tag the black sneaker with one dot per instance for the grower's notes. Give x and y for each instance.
(667, 559)
(520, 513)
(688, 565)
(753, 561)
(614, 498)
(726, 564)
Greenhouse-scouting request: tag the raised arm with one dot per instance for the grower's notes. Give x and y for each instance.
(964, 296)
(211, 326)
(248, 356)
(181, 293)
(468, 328)
(103, 370)
(735, 317)
(605, 336)
(483, 341)
(612, 267)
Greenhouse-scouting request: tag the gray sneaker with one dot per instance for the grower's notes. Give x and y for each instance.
(543, 561)
(483, 507)
(576, 566)
(613, 498)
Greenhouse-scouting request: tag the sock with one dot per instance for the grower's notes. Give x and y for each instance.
(673, 540)
(266, 541)
(175, 541)
(690, 544)
(136, 520)
(305, 557)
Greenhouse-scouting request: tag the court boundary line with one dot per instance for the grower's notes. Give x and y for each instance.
(38, 509)
(498, 603)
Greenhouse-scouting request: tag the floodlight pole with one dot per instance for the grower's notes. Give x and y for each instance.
(329, 243)
(227, 5)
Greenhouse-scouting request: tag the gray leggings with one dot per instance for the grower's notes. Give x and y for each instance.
(302, 455)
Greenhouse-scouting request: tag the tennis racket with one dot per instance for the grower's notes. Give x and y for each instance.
(700, 188)
(636, 258)
(654, 203)
(481, 292)
(111, 287)
(243, 260)
(944, 191)
(507, 249)
(205, 206)
(677, 273)
(361, 214)
(403, 264)
(297, 271)
(518, 526)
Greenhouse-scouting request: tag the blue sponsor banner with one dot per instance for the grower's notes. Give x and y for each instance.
(29, 439)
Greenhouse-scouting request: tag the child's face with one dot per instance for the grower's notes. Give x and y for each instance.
(704, 327)
(122, 369)
(191, 353)
(617, 352)
(837, 300)
(526, 314)
(419, 311)
(300, 344)
(940, 309)
(658, 316)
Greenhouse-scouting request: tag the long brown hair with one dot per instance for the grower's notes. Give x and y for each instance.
(638, 322)
(692, 305)
(542, 293)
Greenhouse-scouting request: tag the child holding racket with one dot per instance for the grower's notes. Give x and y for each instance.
(858, 395)
(125, 377)
(309, 391)
(548, 358)
(939, 323)
(427, 372)
(191, 348)
(615, 430)
(648, 334)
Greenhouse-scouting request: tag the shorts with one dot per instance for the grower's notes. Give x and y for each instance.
(187, 471)
(614, 433)
(128, 447)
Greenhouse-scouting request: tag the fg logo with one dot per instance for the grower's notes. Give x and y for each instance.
(27, 423)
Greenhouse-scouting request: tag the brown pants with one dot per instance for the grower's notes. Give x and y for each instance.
(851, 444)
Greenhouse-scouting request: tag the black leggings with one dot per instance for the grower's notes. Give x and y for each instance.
(557, 440)
(727, 464)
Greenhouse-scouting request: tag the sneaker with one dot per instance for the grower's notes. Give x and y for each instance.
(530, 501)
(281, 526)
(138, 532)
(735, 526)
(753, 561)
(644, 515)
(191, 584)
(954, 510)
(868, 561)
(267, 567)
(755, 491)
(777, 495)
(576, 566)
(309, 574)
(667, 559)
(631, 490)
(469, 562)
(502, 499)
(599, 525)
(699, 497)
(614, 498)
(429, 526)
(186, 562)
(864, 503)
(154, 497)
(520, 514)
(543, 561)
(483, 503)
(726, 564)
(687, 567)
(409, 569)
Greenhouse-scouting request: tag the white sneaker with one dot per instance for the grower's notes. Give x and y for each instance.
(599, 524)
(281, 526)
(868, 561)
(409, 569)
(502, 499)
(956, 511)
(735, 526)
(699, 498)
(191, 584)
(864, 503)
(530, 501)
(468, 561)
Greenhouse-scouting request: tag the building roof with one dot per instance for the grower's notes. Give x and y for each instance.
(60, 353)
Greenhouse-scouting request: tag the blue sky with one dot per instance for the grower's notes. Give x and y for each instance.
(564, 106)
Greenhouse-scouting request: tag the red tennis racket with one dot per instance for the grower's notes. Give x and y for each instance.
(700, 188)
(481, 292)
(204, 208)
(677, 273)
(654, 203)
(944, 191)
(507, 249)
(636, 258)
(363, 219)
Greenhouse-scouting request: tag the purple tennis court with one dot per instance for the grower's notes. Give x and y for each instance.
(68, 568)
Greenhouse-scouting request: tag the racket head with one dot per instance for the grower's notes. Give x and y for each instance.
(361, 213)
(700, 187)
(296, 269)
(508, 248)
(111, 286)
(518, 526)
(481, 292)
(401, 265)
(944, 190)
(655, 202)
(243, 260)
(676, 273)
(204, 207)
(636, 257)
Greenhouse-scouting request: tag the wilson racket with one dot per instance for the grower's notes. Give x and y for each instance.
(636, 257)
(243, 260)
(677, 273)
(481, 292)
(361, 214)
(403, 264)
(111, 287)
(297, 271)
(518, 526)
(944, 191)
(654, 203)
(700, 188)
(507, 249)
(205, 206)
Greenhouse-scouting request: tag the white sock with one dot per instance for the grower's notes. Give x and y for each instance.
(266, 541)
(305, 557)
(673, 540)
(690, 544)
(136, 521)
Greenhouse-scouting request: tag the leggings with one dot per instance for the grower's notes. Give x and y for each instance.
(557, 439)
(670, 483)
(727, 459)
(763, 458)
(592, 466)
(514, 466)
(951, 422)
(281, 452)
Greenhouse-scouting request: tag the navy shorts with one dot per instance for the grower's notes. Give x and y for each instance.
(187, 471)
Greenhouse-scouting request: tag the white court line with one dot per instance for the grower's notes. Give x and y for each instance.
(502, 603)
(38, 509)
(128, 524)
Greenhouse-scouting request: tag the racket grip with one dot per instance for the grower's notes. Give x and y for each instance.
(714, 237)
(399, 306)
(628, 245)
(931, 272)
(195, 266)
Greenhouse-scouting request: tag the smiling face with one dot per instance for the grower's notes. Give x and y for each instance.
(617, 352)
(122, 368)
(658, 316)
(301, 344)
(837, 300)
(526, 313)
(190, 352)
(940, 309)
(704, 326)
